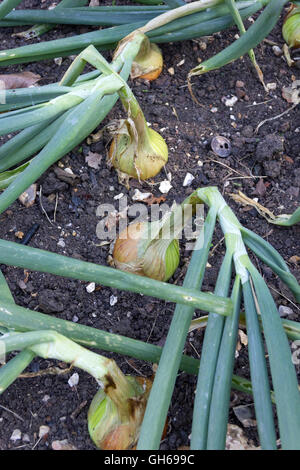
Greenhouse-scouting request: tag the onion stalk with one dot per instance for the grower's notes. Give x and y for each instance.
(257, 298)
(38, 29)
(15, 254)
(7, 6)
(291, 27)
(102, 16)
(252, 37)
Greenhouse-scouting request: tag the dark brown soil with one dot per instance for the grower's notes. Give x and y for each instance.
(188, 129)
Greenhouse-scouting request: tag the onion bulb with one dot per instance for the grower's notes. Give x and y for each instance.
(148, 64)
(108, 427)
(291, 27)
(138, 154)
(135, 252)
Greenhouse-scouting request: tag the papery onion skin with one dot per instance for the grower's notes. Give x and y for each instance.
(151, 64)
(144, 161)
(162, 267)
(125, 254)
(291, 28)
(106, 428)
(133, 253)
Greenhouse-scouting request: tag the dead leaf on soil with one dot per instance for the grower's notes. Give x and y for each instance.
(236, 439)
(114, 217)
(66, 175)
(241, 198)
(62, 445)
(260, 188)
(141, 197)
(154, 200)
(28, 197)
(294, 259)
(292, 93)
(93, 160)
(18, 80)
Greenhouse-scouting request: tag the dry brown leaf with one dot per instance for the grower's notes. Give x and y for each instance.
(260, 188)
(66, 175)
(28, 197)
(114, 217)
(18, 80)
(292, 93)
(241, 198)
(154, 200)
(62, 445)
(236, 439)
(93, 160)
(243, 338)
(19, 235)
(294, 259)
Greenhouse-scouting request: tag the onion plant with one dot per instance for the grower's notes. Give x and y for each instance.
(215, 377)
(189, 21)
(117, 411)
(60, 124)
(217, 360)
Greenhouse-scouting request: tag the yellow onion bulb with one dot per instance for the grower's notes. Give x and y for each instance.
(291, 27)
(110, 431)
(149, 65)
(139, 156)
(134, 252)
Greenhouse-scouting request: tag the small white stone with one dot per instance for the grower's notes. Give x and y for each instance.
(43, 431)
(90, 287)
(214, 109)
(113, 300)
(229, 102)
(139, 196)
(69, 170)
(232, 117)
(25, 438)
(61, 243)
(271, 86)
(16, 435)
(73, 380)
(165, 186)
(46, 398)
(118, 196)
(277, 50)
(285, 311)
(58, 61)
(188, 179)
